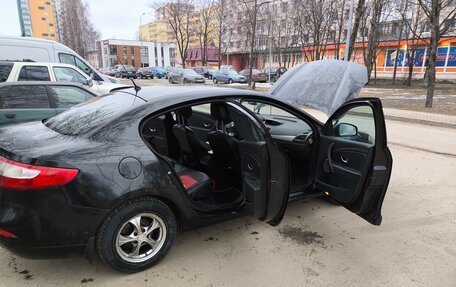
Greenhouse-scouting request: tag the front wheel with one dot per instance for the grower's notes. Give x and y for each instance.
(230, 81)
(136, 235)
(185, 81)
(215, 80)
(170, 80)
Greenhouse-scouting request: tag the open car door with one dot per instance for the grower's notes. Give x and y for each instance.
(353, 162)
(265, 168)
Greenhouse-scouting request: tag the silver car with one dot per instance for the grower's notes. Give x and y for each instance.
(185, 76)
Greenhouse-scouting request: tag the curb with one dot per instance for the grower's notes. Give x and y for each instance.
(423, 122)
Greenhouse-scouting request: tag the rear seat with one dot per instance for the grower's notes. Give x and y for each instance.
(197, 184)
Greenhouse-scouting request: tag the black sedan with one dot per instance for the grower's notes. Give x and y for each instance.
(119, 175)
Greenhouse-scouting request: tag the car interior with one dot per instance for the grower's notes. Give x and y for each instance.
(207, 145)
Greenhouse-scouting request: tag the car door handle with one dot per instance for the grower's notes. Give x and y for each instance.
(344, 159)
(10, 116)
(330, 147)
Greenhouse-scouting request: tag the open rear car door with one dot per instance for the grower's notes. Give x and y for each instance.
(264, 169)
(353, 162)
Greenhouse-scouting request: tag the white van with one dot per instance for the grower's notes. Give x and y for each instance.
(41, 50)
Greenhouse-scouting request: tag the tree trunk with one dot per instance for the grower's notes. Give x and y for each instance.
(252, 42)
(354, 34)
(435, 29)
(397, 54)
(411, 65)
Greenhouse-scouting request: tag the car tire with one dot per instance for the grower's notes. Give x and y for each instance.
(215, 81)
(230, 81)
(142, 213)
(185, 81)
(170, 80)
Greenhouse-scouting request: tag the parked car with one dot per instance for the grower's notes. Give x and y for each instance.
(41, 50)
(228, 67)
(274, 73)
(121, 174)
(257, 75)
(145, 73)
(169, 70)
(185, 76)
(158, 72)
(125, 71)
(227, 76)
(31, 101)
(204, 71)
(107, 71)
(35, 71)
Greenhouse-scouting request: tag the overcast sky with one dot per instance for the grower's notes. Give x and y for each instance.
(113, 18)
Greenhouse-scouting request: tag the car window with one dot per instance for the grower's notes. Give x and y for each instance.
(266, 110)
(26, 97)
(34, 73)
(356, 124)
(66, 97)
(72, 60)
(5, 70)
(204, 108)
(69, 75)
(93, 113)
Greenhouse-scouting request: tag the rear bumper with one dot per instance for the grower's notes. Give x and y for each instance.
(44, 223)
(48, 252)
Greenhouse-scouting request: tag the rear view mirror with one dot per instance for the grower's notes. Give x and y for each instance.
(345, 130)
(88, 82)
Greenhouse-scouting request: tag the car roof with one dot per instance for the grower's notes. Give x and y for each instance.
(45, 83)
(162, 96)
(33, 63)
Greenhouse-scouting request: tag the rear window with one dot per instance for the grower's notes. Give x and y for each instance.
(5, 70)
(93, 113)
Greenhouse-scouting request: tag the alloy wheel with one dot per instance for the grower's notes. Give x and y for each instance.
(140, 238)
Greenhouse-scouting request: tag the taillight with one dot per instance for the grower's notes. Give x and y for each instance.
(6, 234)
(15, 175)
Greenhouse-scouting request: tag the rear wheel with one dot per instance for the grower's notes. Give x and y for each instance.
(230, 81)
(186, 81)
(170, 80)
(215, 80)
(136, 235)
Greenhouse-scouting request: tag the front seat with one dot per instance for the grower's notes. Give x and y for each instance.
(225, 148)
(193, 149)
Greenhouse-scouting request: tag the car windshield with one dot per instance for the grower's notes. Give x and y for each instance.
(84, 117)
(159, 70)
(190, 72)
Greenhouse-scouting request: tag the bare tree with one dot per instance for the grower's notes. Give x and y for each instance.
(77, 30)
(207, 26)
(439, 13)
(314, 24)
(178, 14)
(360, 7)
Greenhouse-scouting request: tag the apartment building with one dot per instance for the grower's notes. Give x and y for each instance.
(279, 41)
(135, 53)
(38, 18)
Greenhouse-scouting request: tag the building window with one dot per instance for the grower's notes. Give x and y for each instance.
(40, 8)
(112, 49)
(51, 25)
(44, 18)
(48, 3)
(45, 35)
(132, 50)
(124, 50)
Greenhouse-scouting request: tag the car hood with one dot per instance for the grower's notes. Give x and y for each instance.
(323, 85)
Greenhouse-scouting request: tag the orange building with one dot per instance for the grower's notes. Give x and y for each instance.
(38, 18)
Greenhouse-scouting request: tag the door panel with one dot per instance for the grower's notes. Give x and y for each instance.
(354, 163)
(254, 169)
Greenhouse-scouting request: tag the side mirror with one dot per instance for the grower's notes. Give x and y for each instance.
(88, 82)
(345, 130)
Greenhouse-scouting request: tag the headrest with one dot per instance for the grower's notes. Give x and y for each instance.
(184, 112)
(220, 112)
